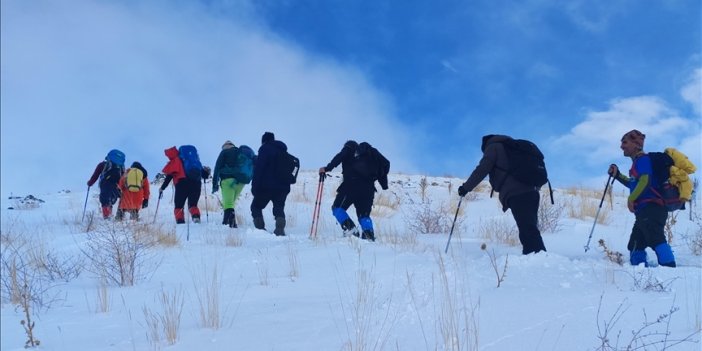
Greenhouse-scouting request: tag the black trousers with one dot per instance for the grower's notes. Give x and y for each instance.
(525, 210)
(648, 228)
(263, 197)
(359, 195)
(187, 189)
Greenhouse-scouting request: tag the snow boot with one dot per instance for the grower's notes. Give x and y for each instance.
(665, 255)
(279, 226)
(179, 215)
(349, 228)
(259, 224)
(119, 215)
(226, 216)
(368, 235)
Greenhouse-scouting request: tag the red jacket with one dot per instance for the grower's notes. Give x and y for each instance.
(174, 167)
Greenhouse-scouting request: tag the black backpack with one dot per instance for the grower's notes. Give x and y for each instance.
(286, 168)
(526, 163)
(669, 193)
(369, 163)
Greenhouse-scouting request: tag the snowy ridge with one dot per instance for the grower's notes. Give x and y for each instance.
(399, 293)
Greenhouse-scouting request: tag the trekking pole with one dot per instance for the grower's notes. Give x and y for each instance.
(207, 212)
(317, 205)
(86, 203)
(158, 202)
(454, 223)
(187, 221)
(587, 246)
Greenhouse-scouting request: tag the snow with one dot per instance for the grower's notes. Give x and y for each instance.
(336, 293)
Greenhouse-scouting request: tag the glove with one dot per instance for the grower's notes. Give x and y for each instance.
(145, 203)
(613, 171)
(462, 191)
(206, 171)
(322, 174)
(215, 187)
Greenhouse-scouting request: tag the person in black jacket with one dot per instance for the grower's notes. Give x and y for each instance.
(267, 186)
(361, 166)
(522, 199)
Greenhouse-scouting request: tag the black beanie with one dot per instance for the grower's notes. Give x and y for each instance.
(267, 136)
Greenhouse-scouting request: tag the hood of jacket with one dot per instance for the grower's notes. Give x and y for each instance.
(492, 138)
(171, 152)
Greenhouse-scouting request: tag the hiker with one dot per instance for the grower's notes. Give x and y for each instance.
(108, 172)
(520, 198)
(649, 210)
(134, 186)
(186, 187)
(267, 186)
(361, 166)
(233, 170)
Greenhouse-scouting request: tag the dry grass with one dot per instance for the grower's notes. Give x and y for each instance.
(294, 264)
(208, 287)
(584, 205)
(499, 230)
(234, 239)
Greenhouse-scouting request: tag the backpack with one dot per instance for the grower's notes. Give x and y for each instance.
(191, 162)
(369, 163)
(245, 163)
(286, 168)
(670, 177)
(114, 165)
(134, 179)
(526, 162)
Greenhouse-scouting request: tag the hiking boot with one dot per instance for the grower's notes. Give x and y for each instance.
(196, 219)
(119, 215)
(259, 224)
(180, 221)
(279, 226)
(179, 215)
(349, 228)
(226, 218)
(368, 235)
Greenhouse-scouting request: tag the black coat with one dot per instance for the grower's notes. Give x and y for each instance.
(265, 176)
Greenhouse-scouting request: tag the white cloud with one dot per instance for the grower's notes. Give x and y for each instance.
(82, 77)
(596, 140)
(692, 91)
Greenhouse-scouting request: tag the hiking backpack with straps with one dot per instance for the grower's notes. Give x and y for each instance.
(370, 163)
(245, 163)
(670, 177)
(286, 168)
(114, 166)
(191, 162)
(134, 179)
(526, 163)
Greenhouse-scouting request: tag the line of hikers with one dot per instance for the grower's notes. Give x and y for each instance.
(515, 169)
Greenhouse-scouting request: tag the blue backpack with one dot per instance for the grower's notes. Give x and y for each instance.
(114, 166)
(191, 162)
(245, 165)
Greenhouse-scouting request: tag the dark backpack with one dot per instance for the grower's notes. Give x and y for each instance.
(369, 163)
(286, 168)
(243, 172)
(526, 162)
(114, 166)
(669, 193)
(191, 162)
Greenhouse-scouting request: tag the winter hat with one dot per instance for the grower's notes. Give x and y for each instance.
(227, 145)
(352, 144)
(267, 136)
(636, 137)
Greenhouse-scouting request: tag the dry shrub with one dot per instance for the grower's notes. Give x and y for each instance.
(499, 230)
(120, 252)
(386, 204)
(425, 218)
(693, 238)
(614, 256)
(549, 215)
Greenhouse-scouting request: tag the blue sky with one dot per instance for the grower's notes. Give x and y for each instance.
(422, 81)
